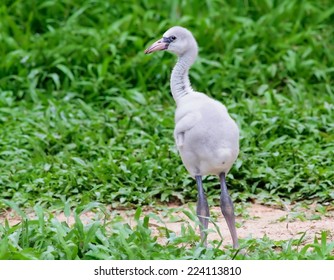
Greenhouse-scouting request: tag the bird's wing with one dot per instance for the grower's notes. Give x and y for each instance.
(187, 122)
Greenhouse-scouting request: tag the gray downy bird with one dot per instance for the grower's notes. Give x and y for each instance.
(206, 137)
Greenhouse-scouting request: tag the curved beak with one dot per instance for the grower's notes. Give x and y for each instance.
(157, 46)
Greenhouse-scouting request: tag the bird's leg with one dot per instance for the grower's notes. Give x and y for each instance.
(202, 211)
(227, 208)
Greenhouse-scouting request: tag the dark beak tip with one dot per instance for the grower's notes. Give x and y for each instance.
(159, 45)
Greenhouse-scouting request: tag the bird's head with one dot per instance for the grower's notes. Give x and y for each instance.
(177, 40)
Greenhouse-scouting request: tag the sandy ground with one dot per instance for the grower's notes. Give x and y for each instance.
(263, 221)
(258, 221)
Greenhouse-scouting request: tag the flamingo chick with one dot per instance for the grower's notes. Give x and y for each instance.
(206, 137)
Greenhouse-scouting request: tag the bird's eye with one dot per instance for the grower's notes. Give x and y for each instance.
(173, 37)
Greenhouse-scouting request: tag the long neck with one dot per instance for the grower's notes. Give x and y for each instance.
(179, 82)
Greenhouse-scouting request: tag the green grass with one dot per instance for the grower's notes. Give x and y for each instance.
(86, 116)
(45, 237)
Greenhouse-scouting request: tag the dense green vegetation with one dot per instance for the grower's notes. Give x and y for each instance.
(85, 116)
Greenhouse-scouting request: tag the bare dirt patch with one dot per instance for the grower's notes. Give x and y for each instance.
(259, 221)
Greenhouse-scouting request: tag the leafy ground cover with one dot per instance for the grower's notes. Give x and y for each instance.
(86, 117)
(91, 231)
